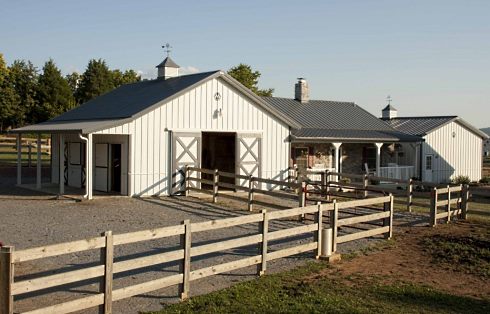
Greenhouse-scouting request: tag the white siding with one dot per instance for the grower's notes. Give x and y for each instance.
(149, 166)
(453, 156)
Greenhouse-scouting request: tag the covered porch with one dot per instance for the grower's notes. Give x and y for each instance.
(82, 164)
(383, 159)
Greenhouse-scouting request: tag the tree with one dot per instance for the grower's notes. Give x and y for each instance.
(129, 76)
(95, 81)
(54, 95)
(9, 100)
(23, 75)
(73, 80)
(249, 78)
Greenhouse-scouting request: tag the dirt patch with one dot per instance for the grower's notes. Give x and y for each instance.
(410, 261)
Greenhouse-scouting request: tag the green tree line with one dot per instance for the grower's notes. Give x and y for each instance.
(29, 96)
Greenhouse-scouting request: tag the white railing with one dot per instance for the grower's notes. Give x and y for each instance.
(397, 172)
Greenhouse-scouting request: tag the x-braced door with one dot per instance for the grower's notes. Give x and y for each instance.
(186, 152)
(248, 155)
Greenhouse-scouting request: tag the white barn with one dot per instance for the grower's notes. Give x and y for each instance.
(133, 141)
(451, 147)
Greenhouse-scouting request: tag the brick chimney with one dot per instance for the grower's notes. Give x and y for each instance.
(301, 91)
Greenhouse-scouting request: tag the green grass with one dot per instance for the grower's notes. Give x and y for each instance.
(470, 253)
(8, 156)
(303, 291)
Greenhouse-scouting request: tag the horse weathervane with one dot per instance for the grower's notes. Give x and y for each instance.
(389, 99)
(167, 48)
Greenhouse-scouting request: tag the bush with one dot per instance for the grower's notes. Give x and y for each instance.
(485, 180)
(461, 180)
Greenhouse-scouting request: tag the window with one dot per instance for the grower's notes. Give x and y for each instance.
(370, 157)
(428, 162)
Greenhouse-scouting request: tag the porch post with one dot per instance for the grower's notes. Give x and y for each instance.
(38, 162)
(378, 158)
(88, 163)
(19, 159)
(62, 163)
(337, 166)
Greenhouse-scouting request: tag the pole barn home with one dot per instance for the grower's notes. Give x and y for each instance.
(136, 139)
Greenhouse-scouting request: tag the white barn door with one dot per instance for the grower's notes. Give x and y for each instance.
(102, 167)
(186, 152)
(248, 155)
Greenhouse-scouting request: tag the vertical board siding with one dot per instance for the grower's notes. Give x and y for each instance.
(453, 156)
(196, 111)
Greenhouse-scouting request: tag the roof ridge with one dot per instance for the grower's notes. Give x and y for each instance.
(423, 117)
(318, 100)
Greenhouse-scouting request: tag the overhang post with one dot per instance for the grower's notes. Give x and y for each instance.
(19, 159)
(62, 163)
(88, 163)
(378, 158)
(38, 162)
(337, 164)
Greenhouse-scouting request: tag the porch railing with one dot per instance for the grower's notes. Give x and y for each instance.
(397, 172)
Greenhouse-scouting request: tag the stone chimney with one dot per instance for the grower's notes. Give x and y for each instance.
(389, 112)
(167, 69)
(301, 91)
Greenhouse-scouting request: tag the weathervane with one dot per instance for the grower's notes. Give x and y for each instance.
(167, 48)
(388, 99)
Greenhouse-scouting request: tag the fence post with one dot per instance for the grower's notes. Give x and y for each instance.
(250, 192)
(302, 195)
(107, 259)
(433, 208)
(388, 206)
(409, 195)
(215, 185)
(318, 234)
(365, 183)
(185, 264)
(464, 202)
(29, 154)
(333, 224)
(6, 279)
(264, 229)
(327, 183)
(448, 206)
(186, 180)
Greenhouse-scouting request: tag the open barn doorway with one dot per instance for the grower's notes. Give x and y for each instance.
(218, 152)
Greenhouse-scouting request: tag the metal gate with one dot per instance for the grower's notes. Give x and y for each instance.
(186, 152)
(248, 155)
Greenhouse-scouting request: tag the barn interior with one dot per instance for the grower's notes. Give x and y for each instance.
(219, 152)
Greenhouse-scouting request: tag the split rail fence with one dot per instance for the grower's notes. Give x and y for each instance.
(108, 266)
(449, 202)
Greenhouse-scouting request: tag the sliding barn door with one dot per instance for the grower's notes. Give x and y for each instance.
(186, 152)
(248, 155)
(101, 167)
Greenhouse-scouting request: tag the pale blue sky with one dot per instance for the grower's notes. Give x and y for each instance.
(432, 57)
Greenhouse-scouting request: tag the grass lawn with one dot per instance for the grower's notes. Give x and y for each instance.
(424, 270)
(8, 156)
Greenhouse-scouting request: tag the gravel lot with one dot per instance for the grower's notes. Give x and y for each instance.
(30, 219)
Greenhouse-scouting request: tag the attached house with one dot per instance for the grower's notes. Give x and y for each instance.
(136, 139)
(451, 147)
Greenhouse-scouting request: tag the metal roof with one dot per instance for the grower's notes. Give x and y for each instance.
(334, 120)
(421, 126)
(167, 62)
(131, 101)
(389, 107)
(347, 135)
(70, 126)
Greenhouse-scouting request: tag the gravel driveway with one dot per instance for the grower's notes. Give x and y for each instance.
(30, 220)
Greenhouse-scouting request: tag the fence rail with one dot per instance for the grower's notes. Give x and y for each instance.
(453, 200)
(107, 242)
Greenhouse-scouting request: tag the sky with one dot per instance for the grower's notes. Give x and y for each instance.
(431, 57)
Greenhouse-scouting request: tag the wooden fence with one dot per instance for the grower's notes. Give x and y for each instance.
(452, 199)
(106, 243)
(250, 184)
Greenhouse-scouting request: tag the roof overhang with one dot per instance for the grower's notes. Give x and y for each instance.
(82, 126)
(295, 139)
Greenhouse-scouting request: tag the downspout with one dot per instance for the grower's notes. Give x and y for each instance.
(87, 172)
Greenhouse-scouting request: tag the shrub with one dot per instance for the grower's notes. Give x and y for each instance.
(485, 180)
(461, 180)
